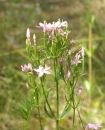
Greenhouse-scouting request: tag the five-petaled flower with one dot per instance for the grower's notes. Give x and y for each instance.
(26, 67)
(41, 70)
(93, 126)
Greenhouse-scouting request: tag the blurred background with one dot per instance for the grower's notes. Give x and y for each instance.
(86, 20)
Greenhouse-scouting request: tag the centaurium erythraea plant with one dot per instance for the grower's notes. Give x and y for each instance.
(57, 60)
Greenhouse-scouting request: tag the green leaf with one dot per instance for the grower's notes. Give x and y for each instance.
(46, 111)
(65, 112)
(24, 109)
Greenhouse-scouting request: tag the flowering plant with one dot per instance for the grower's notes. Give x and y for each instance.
(62, 61)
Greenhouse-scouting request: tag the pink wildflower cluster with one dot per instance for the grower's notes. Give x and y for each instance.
(55, 26)
(41, 70)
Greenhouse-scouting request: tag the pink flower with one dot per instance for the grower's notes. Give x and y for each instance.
(68, 74)
(45, 26)
(79, 91)
(76, 60)
(41, 70)
(72, 41)
(92, 126)
(57, 25)
(26, 67)
(64, 24)
(49, 27)
(51, 35)
(64, 33)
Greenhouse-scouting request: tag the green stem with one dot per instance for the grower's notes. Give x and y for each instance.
(57, 95)
(75, 79)
(39, 115)
(37, 98)
(90, 58)
(44, 37)
(90, 52)
(80, 119)
(46, 99)
(57, 105)
(73, 109)
(83, 64)
(37, 95)
(27, 122)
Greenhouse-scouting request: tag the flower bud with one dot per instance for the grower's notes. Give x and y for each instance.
(28, 33)
(79, 91)
(72, 41)
(82, 51)
(34, 38)
(68, 74)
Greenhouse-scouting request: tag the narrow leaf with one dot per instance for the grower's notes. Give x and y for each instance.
(65, 112)
(46, 111)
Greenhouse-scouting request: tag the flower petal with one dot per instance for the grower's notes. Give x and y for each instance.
(40, 74)
(47, 72)
(47, 68)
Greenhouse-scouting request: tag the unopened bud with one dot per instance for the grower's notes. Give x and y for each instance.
(34, 38)
(28, 33)
(28, 42)
(72, 41)
(82, 51)
(79, 91)
(68, 74)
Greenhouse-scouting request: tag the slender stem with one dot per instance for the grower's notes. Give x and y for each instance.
(27, 122)
(73, 116)
(73, 93)
(57, 104)
(90, 52)
(37, 99)
(73, 109)
(83, 64)
(80, 119)
(44, 37)
(46, 99)
(57, 95)
(39, 115)
(90, 57)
